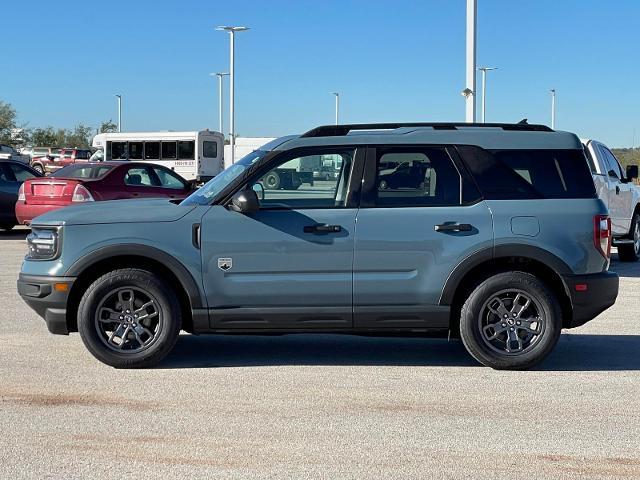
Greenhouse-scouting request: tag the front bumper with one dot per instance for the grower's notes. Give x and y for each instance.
(590, 295)
(45, 295)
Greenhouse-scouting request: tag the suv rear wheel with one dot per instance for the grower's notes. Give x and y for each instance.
(510, 321)
(630, 252)
(129, 318)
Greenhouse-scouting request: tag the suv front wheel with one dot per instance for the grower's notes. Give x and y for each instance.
(129, 318)
(510, 321)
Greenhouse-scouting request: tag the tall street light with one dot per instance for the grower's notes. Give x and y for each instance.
(553, 108)
(337, 95)
(484, 71)
(470, 90)
(232, 121)
(119, 97)
(220, 76)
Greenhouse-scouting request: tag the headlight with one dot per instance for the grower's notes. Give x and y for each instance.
(43, 243)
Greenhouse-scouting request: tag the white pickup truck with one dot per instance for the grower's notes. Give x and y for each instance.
(617, 190)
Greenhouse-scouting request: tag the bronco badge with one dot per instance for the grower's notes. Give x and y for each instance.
(225, 263)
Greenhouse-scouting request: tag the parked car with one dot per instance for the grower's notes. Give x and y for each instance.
(42, 156)
(89, 182)
(66, 156)
(615, 187)
(7, 152)
(12, 174)
(505, 245)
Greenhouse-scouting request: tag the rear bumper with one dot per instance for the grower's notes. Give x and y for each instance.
(41, 294)
(590, 295)
(26, 212)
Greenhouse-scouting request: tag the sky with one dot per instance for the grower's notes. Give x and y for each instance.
(391, 61)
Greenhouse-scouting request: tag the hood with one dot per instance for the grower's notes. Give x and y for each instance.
(115, 211)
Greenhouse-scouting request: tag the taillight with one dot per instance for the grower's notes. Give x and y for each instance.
(81, 194)
(21, 195)
(602, 235)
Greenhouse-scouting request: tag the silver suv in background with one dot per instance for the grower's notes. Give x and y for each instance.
(615, 187)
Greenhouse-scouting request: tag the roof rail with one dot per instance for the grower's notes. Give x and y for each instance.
(341, 130)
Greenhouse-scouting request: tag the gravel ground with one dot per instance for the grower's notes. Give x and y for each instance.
(323, 406)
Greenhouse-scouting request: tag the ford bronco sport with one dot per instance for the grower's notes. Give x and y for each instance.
(500, 239)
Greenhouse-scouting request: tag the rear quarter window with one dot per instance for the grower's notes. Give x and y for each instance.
(529, 174)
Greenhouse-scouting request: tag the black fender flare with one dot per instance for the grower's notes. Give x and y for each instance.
(131, 249)
(495, 253)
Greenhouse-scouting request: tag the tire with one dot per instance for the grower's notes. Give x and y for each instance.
(478, 322)
(38, 168)
(134, 343)
(272, 181)
(631, 252)
(7, 228)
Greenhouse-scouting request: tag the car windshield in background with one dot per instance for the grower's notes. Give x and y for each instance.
(82, 171)
(204, 195)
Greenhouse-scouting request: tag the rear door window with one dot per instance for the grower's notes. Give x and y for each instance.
(209, 149)
(416, 177)
(140, 177)
(529, 174)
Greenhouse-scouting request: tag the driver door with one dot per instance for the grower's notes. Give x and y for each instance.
(289, 265)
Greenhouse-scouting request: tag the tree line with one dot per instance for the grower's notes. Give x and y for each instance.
(11, 133)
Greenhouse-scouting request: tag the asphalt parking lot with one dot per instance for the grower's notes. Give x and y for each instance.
(317, 406)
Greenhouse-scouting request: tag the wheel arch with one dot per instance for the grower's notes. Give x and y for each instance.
(488, 262)
(95, 264)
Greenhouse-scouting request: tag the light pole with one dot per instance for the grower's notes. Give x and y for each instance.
(119, 97)
(553, 108)
(220, 75)
(484, 71)
(232, 121)
(337, 95)
(470, 91)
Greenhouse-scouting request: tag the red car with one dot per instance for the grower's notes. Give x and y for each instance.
(95, 181)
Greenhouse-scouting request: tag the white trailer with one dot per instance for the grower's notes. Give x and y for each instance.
(194, 155)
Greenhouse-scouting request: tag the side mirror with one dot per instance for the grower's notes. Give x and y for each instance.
(632, 172)
(245, 202)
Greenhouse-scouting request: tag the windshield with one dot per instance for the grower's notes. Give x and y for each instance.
(82, 171)
(205, 194)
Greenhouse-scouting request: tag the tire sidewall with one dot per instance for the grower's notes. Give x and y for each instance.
(472, 309)
(143, 280)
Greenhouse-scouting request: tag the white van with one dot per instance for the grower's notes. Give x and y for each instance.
(194, 155)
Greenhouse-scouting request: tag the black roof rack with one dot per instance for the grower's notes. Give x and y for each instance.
(341, 130)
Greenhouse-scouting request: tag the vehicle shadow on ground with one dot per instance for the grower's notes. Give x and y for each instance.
(624, 269)
(19, 234)
(574, 352)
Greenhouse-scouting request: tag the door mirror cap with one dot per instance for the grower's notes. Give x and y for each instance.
(245, 202)
(632, 171)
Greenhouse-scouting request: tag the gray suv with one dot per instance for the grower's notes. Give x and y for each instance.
(490, 232)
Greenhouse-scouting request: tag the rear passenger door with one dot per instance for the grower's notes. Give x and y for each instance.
(420, 216)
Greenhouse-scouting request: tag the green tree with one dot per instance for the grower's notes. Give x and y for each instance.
(80, 136)
(108, 127)
(7, 122)
(44, 137)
